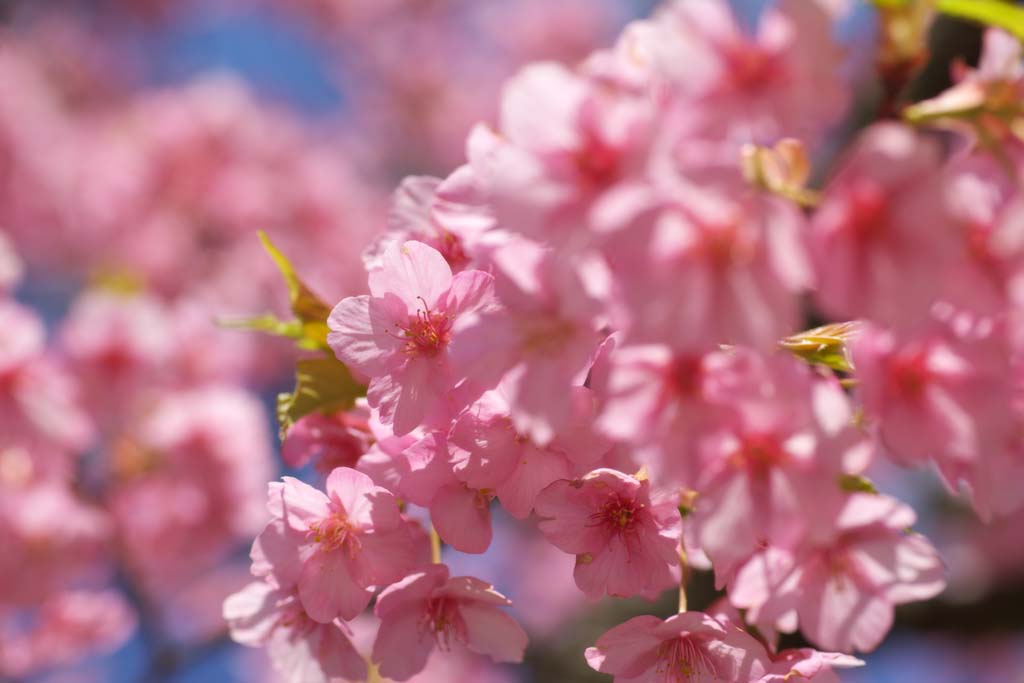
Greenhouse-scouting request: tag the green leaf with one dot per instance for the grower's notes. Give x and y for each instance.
(1004, 15)
(322, 385)
(309, 327)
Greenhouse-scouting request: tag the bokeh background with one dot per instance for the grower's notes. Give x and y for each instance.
(142, 145)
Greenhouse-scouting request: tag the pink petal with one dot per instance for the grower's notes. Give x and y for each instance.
(337, 656)
(491, 632)
(251, 613)
(303, 504)
(534, 471)
(469, 290)
(627, 650)
(412, 271)
(462, 518)
(365, 333)
(402, 647)
(327, 589)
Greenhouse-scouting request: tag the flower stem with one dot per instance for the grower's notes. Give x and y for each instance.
(435, 546)
(682, 580)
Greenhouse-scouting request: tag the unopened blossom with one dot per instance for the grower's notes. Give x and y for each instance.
(625, 540)
(686, 647)
(429, 609)
(343, 542)
(301, 649)
(399, 335)
(843, 580)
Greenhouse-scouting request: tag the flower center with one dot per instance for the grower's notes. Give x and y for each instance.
(760, 453)
(335, 532)
(909, 375)
(684, 659)
(444, 621)
(427, 333)
(619, 515)
(866, 209)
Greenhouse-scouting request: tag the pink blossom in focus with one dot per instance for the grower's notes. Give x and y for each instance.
(340, 543)
(428, 609)
(399, 336)
(690, 646)
(625, 542)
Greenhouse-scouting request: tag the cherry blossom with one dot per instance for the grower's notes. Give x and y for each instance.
(625, 541)
(400, 335)
(428, 609)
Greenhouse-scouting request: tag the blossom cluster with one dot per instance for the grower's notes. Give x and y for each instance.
(596, 322)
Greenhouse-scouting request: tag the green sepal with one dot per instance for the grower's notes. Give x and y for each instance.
(322, 385)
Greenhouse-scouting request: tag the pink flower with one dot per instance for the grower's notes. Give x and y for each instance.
(461, 515)
(780, 448)
(116, 343)
(69, 626)
(563, 142)
(941, 394)
(690, 647)
(450, 215)
(934, 394)
(193, 473)
(400, 334)
(785, 79)
(809, 665)
(842, 581)
(429, 609)
(883, 230)
(38, 399)
(740, 257)
(339, 544)
(625, 542)
(301, 649)
(489, 453)
(541, 342)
